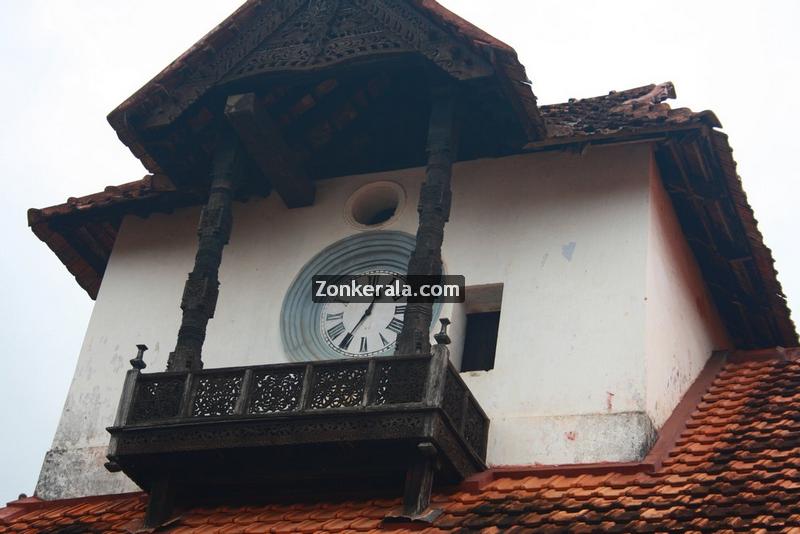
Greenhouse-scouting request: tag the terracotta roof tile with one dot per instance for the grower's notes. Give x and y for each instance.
(630, 111)
(750, 487)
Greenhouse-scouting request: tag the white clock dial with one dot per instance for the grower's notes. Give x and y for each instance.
(309, 328)
(362, 328)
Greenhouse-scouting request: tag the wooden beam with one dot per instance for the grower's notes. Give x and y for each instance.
(264, 142)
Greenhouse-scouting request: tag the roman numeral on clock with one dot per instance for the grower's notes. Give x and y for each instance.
(334, 316)
(383, 339)
(363, 347)
(336, 330)
(395, 325)
(346, 341)
(400, 309)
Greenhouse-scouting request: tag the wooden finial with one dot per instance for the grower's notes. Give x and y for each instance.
(138, 361)
(442, 338)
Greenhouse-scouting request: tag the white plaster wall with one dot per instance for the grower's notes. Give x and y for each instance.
(683, 326)
(566, 233)
(136, 304)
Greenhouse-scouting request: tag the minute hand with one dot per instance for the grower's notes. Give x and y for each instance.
(367, 312)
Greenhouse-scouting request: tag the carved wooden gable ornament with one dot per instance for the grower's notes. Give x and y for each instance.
(326, 32)
(281, 37)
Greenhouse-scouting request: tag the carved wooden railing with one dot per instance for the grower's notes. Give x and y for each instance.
(390, 409)
(369, 384)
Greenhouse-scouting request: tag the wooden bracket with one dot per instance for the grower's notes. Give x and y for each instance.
(264, 142)
(160, 502)
(419, 481)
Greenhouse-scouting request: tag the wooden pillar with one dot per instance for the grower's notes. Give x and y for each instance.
(202, 287)
(434, 212)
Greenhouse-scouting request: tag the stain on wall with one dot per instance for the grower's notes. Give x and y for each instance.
(568, 250)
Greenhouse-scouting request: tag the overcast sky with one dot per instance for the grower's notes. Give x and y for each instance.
(66, 63)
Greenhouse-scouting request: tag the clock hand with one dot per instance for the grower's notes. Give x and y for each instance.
(349, 336)
(367, 312)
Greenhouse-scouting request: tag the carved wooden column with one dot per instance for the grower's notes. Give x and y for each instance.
(202, 287)
(434, 212)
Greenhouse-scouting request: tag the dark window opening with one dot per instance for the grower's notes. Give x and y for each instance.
(480, 341)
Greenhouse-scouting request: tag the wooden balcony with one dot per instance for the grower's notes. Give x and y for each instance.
(331, 422)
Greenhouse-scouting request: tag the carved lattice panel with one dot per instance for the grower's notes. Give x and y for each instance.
(338, 386)
(325, 32)
(156, 398)
(401, 381)
(276, 391)
(216, 395)
(453, 401)
(475, 429)
(352, 33)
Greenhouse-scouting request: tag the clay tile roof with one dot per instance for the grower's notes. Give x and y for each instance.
(82, 231)
(735, 467)
(628, 111)
(147, 187)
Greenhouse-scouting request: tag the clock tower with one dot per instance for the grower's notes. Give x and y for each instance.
(605, 245)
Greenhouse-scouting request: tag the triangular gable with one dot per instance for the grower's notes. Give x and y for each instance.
(291, 35)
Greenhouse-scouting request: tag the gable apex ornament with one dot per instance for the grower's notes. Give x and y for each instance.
(327, 32)
(296, 41)
(302, 35)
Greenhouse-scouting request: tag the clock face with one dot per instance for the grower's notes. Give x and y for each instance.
(340, 329)
(363, 328)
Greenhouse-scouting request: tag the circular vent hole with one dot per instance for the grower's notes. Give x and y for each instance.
(375, 204)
